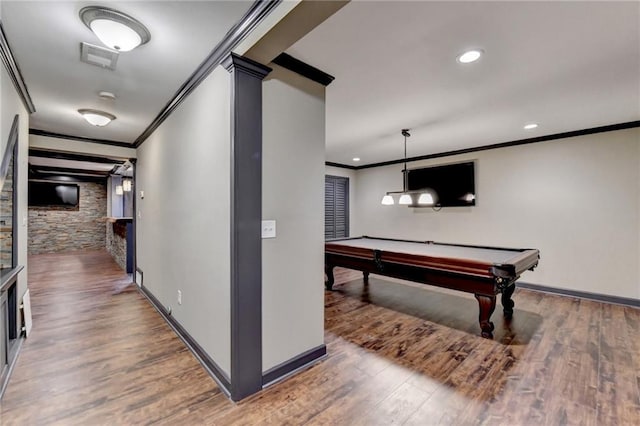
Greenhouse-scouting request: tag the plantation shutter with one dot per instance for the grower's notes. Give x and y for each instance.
(336, 207)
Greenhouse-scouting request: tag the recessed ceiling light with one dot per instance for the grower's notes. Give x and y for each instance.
(530, 126)
(96, 117)
(356, 158)
(470, 56)
(115, 29)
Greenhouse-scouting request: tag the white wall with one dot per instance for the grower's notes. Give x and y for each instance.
(577, 200)
(352, 175)
(183, 223)
(293, 194)
(10, 106)
(73, 146)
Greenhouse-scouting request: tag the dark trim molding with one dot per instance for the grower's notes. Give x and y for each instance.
(246, 219)
(583, 132)
(46, 133)
(258, 11)
(63, 170)
(134, 211)
(41, 153)
(66, 178)
(304, 69)
(201, 355)
(10, 150)
(13, 70)
(342, 166)
(295, 364)
(582, 294)
(12, 363)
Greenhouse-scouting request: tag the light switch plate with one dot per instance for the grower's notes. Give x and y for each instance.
(268, 229)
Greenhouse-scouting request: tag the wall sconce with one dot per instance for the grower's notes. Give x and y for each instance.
(119, 190)
(126, 185)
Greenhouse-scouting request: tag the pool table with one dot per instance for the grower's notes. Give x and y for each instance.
(483, 271)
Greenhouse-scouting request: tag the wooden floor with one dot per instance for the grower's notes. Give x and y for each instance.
(398, 354)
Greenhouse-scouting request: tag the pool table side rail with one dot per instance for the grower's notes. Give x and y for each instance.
(437, 243)
(439, 264)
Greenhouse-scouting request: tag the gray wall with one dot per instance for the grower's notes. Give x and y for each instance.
(293, 195)
(183, 221)
(54, 230)
(575, 199)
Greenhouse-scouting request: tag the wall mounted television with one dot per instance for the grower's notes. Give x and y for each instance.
(451, 185)
(51, 194)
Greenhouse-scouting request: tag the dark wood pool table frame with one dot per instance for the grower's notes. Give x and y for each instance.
(484, 279)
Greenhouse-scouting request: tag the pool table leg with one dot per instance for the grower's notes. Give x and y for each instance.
(487, 306)
(328, 269)
(507, 302)
(365, 277)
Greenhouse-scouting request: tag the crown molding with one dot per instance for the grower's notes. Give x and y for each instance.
(258, 11)
(13, 70)
(46, 133)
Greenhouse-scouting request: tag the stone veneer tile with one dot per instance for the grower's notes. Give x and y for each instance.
(58, 230)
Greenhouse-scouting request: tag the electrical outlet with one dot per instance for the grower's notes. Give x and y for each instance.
(179, 297)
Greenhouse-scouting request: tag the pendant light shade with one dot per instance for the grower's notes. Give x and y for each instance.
(405, 200)
(425, 199)
(387, 200)
(115, 30)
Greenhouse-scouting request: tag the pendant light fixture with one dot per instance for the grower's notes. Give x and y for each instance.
(424, 198)
(115, 29)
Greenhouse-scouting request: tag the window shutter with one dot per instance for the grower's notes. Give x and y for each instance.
(336, 207)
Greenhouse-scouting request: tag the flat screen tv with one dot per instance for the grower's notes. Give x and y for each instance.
(51, 194)
(451, 185)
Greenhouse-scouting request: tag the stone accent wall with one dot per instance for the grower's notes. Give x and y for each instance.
(58, 230)
(117, 245)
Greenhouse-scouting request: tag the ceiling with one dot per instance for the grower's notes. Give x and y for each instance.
(45, 39)
(564, 65)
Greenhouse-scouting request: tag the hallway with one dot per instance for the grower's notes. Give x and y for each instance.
(95, 357)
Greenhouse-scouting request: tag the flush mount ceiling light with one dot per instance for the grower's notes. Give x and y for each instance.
(356, 159)
(530, 126)
(470, 56)
(97, 118)
(115, 29)
(425, 198)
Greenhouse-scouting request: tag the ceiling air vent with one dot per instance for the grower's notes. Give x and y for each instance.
(98, 56)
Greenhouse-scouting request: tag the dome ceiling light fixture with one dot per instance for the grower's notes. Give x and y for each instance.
(115, 30)
(96, 117)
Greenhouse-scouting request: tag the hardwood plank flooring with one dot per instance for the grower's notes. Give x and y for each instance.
(399, 353)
